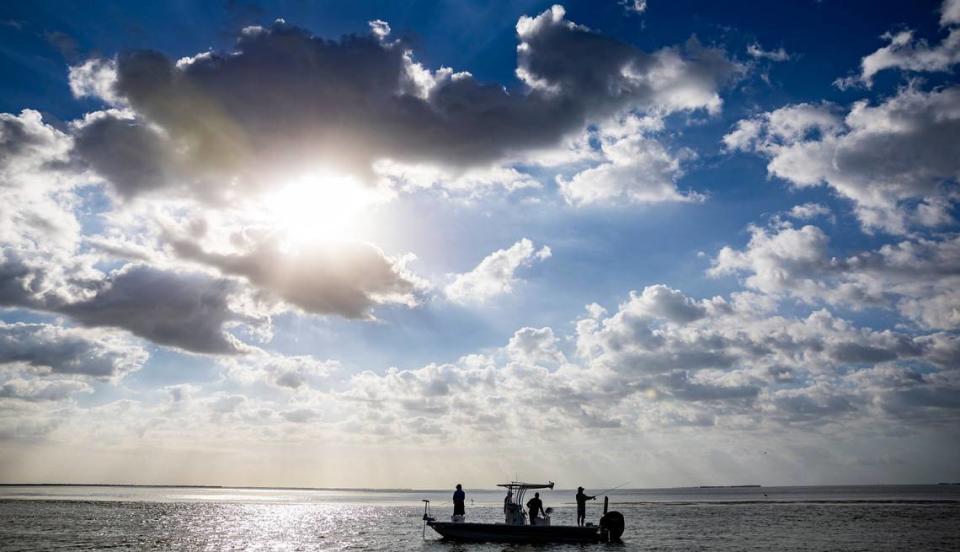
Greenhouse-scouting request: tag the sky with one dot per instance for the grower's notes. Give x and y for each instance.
(410, 244)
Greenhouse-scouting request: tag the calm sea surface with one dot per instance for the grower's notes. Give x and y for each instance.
(769, 518)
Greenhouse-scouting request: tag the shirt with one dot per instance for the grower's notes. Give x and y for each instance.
(535, 506)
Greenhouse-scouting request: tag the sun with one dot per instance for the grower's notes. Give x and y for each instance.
(320, 206)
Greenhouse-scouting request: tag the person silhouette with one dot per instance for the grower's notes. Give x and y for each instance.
(535, 508)
(582, 505)
(458, 498)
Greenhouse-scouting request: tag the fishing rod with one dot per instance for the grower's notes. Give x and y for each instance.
(604, 491)
(612, 488)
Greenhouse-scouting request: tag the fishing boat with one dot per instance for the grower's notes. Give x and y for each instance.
(516, 528)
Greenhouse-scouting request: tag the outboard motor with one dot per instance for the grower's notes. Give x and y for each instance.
(611, 526)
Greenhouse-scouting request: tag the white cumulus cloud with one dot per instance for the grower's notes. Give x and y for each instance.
(496, 274)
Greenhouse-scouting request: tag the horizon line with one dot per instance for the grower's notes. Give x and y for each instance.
(410, 489)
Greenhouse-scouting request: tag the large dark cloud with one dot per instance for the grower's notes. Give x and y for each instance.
(346, 279)
(44, 267)
(190, 311)
(67, 351)
(15, 137)
(180, 309)
(134, 157)
(285, 99)
(18, 281)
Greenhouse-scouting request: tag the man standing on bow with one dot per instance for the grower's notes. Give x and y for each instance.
(458, 498)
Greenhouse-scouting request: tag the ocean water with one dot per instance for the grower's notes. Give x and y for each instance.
(867, 518)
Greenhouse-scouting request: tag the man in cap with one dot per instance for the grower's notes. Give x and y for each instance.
(582, 505)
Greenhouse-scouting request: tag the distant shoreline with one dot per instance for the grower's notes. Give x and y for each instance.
(408, 490)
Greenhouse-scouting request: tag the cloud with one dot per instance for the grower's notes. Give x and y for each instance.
(907, 54)
(663, 363)
(632, 340)
(26, 143)
(379, 28)
(733, 354)
(208, 130)
(950, 13)
(42, 390)
(634, 167)
(917, 277)
(282, 371)
(535, 346)
(181, 393)
(187, 310)
(40, 261)
(94, 78)
(789, 260)
(495, 275)
(634, 6)
(818, 403)
(68, 351)
(323, 278)
(473, 183)
(225, 404)
(35, 184)
(897, 161)
(561, 59)
(664, 360)
(300, 415)
(809, 211)
(133, 156)
(660, 301)
(428, 390)
(756, 51)
(43, 265)
(223, 122)
(911, 55)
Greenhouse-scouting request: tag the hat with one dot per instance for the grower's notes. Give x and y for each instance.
(579, 488)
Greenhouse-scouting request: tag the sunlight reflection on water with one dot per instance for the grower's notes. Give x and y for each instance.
(357, 521)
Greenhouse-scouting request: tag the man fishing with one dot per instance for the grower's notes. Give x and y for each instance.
(582, 499)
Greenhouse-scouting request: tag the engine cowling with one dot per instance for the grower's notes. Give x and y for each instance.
(612, 524)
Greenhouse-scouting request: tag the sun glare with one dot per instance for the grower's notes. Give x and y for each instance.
(320, 206)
